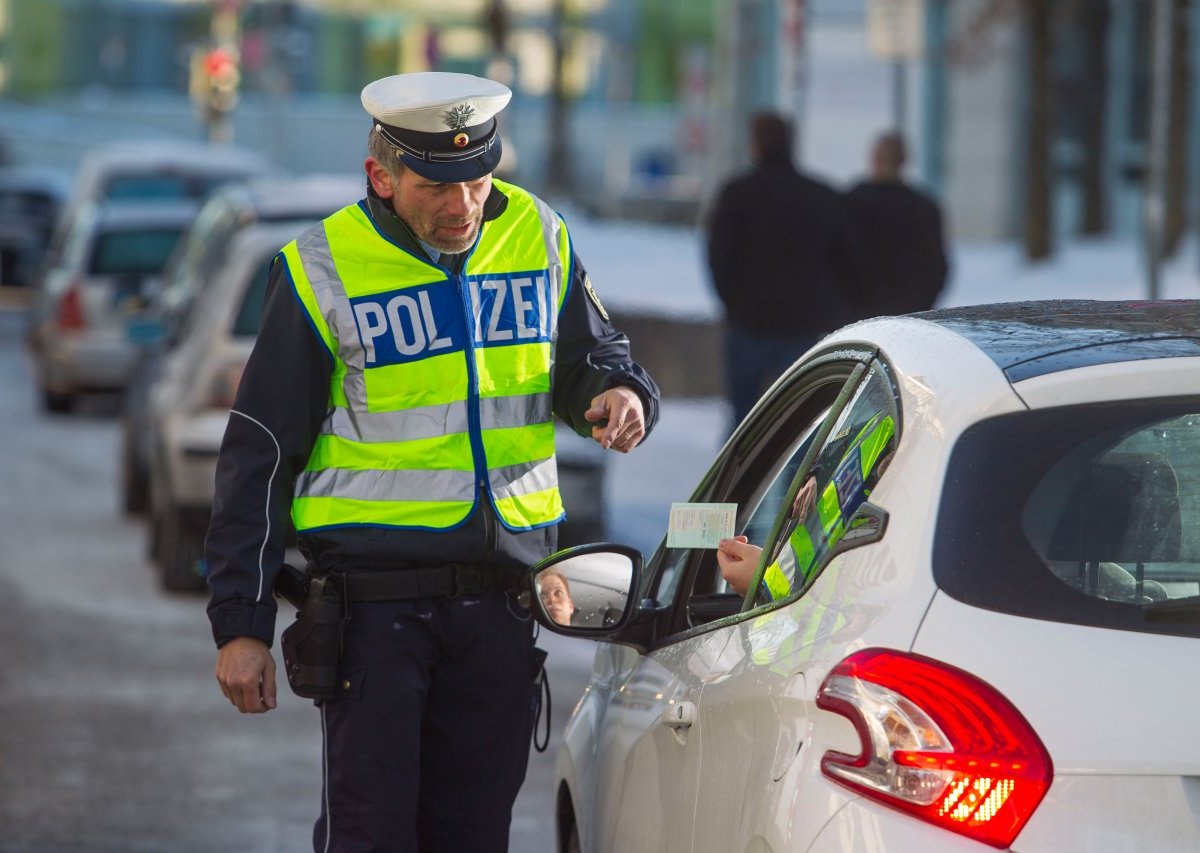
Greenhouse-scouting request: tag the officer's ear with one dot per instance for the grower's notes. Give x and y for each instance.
(381, 179)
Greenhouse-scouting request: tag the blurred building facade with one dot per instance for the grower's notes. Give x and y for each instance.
(649, 97)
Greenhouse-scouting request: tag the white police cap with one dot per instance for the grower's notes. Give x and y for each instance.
(442, 124)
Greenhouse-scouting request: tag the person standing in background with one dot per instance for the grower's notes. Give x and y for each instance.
(901, 232)
(784, 263)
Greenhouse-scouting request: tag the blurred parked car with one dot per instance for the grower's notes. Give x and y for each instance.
(231, 208)
(30, 201)
(151, 172)
(108, 270)
(189, 401)
(971, 622)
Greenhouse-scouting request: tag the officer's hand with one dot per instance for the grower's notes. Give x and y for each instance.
(626, 425)
(246, 673)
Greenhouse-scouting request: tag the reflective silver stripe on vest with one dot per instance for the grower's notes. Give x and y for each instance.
(330, 293)
(525, 410)
(513, 481)
(376, 485)
(551, 228)
(403, 425)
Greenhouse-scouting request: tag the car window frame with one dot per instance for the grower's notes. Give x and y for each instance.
(777, 541)
(748, 451)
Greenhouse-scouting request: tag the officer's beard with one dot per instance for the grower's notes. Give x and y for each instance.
(441, 237)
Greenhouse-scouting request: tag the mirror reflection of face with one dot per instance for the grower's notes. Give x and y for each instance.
(556, 597)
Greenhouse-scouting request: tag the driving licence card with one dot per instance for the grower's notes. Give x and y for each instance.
(700, 525)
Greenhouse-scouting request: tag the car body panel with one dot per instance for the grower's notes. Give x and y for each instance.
(1128, 381)
(1112, 814)
(635, 760)
(865, 827)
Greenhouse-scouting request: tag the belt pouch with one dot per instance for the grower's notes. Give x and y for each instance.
(312, 644)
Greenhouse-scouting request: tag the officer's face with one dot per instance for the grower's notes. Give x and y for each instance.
(446, 216)
(556, 599)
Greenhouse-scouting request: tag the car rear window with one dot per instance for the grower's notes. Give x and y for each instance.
(1082, 514)
(162, 187)
(250, 312)
(141, 252)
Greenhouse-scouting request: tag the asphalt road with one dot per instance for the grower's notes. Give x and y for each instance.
(113, 733)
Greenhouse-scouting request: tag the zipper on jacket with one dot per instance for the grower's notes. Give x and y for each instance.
(474, 420)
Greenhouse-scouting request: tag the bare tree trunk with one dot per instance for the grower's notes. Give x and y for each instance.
(1038, 223)
(1177, 133)
(1096, 16)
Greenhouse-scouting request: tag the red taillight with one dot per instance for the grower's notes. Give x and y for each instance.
(225, 385)
(937, 743)
(70, 309)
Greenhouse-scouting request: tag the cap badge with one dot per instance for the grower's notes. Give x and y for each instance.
(456, 118)
(461, 140)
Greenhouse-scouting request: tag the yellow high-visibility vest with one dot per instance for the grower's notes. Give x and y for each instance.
(441, 388)
(799, 557)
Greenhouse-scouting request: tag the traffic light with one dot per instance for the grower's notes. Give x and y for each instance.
(221, 69)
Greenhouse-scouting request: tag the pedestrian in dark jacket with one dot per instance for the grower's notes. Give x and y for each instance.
(783, 260)
(901, 232)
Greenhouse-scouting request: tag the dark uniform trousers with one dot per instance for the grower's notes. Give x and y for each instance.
(427, 742)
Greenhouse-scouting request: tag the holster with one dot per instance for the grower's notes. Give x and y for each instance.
(312, 645)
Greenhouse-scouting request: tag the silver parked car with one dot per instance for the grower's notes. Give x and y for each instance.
(189, 401)
(108, 270)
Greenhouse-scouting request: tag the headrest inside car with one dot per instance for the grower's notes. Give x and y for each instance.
(1124, 509)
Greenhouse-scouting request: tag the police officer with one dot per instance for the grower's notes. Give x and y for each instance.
(399, 403)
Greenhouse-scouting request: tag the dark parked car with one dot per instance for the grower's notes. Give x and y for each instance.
(31, 199)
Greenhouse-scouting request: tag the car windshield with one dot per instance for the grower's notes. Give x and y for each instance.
(250, 312)
(1084, 514)
(139, 252)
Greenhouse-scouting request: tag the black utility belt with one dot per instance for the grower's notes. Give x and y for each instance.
(312, 645)
(448, 581)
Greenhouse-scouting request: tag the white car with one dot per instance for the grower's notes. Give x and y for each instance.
(110, 267)
(188, 402)
(974, 628)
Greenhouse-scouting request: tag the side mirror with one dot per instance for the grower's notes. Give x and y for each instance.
(588, 591)
(866, 525)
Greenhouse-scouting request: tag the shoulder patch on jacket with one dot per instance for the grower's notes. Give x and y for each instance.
(591, 292)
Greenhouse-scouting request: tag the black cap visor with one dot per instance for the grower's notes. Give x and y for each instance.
(451, 157)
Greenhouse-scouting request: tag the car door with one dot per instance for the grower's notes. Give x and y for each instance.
(757, 717)
(652, 745)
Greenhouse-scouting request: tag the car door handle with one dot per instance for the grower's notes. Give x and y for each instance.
(679, 716)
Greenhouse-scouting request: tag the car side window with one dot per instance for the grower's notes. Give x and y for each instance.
(844, 472)
(754, 472)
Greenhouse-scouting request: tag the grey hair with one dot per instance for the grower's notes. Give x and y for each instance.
(385, 153)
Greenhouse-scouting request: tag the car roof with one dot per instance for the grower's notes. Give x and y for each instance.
(38, 179)
(1027, 339)
(135, 213)
(299, 196)
(182, 154)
